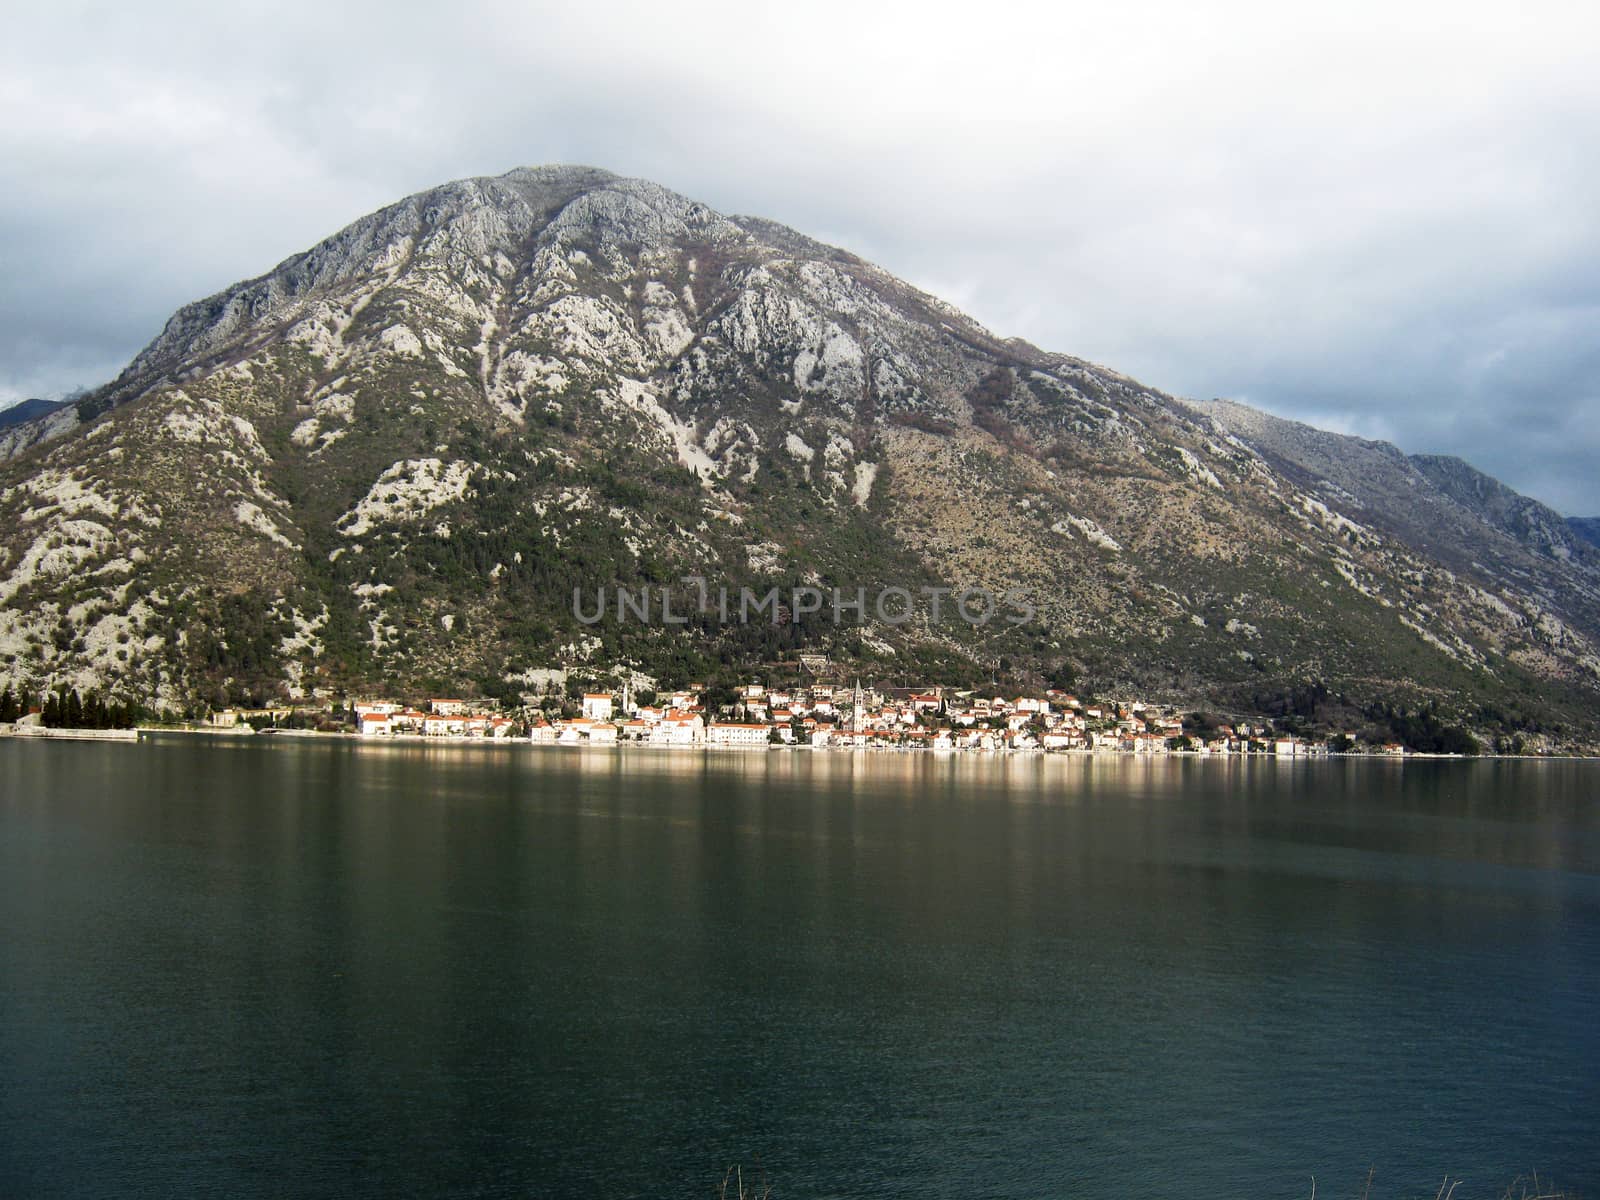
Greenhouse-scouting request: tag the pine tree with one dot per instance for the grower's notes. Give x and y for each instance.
(51, 716)
(73, 716)
(8, 706)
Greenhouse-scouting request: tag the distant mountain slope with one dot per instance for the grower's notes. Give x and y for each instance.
(1542, 530)
(1588, 528)
(35, 427)
(29, 410)
(389, 462)
(1437, 504)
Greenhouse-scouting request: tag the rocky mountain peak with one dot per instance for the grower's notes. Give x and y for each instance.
(469, 236)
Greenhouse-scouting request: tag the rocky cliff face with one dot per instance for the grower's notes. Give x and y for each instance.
(389, 462)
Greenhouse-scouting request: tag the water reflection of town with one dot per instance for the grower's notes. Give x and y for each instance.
(1437, 822)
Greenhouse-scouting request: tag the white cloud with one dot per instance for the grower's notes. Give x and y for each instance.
(1375, 210)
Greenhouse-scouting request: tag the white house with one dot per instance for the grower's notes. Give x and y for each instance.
(734, 733)
(597, 706)
(678, 729)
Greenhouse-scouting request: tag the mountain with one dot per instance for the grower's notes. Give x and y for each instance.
(29, 410)
(34, 421)
(389, 462)
(1542, 530)
(1587, 528)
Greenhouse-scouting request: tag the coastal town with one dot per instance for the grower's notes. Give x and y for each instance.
(825, 716)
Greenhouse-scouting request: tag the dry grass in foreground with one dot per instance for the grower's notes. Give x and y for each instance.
(1522, 1188)
(734, 1187)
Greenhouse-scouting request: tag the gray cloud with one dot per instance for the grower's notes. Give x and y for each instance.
(1379, 218)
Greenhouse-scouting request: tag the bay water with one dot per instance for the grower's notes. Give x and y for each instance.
(291, 967)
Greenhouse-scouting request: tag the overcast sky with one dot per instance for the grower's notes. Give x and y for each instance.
(1382, 218)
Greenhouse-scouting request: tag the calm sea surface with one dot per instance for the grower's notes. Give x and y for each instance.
(246, 968)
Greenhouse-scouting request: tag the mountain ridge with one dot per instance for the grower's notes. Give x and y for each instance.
(389, 461)
(29, 410)
(1588, 528)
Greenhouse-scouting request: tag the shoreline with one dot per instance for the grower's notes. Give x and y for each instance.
(144, 732)
(474, 743)
(40, 733)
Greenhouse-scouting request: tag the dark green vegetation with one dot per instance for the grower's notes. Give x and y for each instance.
(69, 710)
